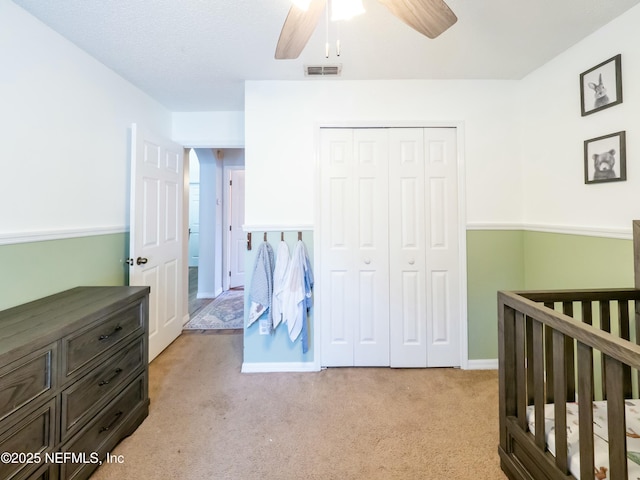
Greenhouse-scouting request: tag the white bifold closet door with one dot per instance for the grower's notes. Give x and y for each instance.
(389, 247)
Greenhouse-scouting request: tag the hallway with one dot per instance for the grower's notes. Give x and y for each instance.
(195, 304)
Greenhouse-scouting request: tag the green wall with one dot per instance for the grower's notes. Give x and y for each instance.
(557, 261)
(514, 260)
(33, 270)
(495, 261)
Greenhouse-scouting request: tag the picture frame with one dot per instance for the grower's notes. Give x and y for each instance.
(605, 158)
(601, 86)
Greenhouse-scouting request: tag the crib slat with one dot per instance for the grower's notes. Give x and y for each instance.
(529, 350)
(605, 324)
(585, 410)
(625, 332)
(616, 419)
(538, 382)
(560, 407)
(548, 355)
(567, 309)
(587, 317)
(521, 378)
(506, 369)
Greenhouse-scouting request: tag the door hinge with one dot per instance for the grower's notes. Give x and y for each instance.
(230, 182)
(229, 272)
(229, 227)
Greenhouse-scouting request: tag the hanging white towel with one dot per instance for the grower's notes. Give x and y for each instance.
(297, 294)
(279, 277)
(261, 285)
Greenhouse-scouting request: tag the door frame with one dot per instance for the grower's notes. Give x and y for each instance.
(462, 222)
(226, 218)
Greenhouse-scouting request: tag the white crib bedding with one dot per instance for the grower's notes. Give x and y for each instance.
(601, 437)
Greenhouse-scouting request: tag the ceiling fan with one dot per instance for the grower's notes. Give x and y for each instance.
(428, 17)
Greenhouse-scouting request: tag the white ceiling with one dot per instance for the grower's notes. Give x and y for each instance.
(194, 55)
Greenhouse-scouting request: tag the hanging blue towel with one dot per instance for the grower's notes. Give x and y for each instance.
(262, 285)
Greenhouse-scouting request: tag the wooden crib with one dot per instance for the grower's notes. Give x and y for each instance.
(566, 346)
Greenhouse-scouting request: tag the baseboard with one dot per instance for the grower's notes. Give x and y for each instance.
(206, 295)
(273, 367)
(486, 364)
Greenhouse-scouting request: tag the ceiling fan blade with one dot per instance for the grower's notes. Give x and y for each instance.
(429, 17)
(297, 29)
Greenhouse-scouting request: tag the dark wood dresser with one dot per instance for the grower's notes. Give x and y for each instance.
(73, 380)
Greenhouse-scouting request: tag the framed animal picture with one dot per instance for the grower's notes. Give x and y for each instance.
(605, 158)
(601, 86)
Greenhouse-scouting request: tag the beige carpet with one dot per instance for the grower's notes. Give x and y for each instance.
(209, 421)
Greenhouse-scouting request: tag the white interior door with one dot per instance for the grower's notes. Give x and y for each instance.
(407, 287)
(237, 240)
(389, 266)
(442, 248)
(337, 285)
(354, 242)
(156, 232)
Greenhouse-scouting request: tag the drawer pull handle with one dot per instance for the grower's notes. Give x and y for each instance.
(113, 422)
(106, 337)
(116, 372)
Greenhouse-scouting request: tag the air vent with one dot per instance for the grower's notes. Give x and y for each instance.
(322, 70)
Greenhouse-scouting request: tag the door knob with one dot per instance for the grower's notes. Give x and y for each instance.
(411, 261)
(367, 261)
(141, 261)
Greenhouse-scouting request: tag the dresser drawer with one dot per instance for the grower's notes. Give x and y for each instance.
(100, 432)
(33, 434)
(25, 379)
(80, 348)
(98, 385)
(46, 472)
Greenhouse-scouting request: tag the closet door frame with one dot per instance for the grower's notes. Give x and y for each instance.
(461, 223)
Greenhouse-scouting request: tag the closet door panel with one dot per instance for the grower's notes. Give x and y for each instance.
(406, 248)
(371, 253)
(337, 239)
(389, 244)
(442, 248)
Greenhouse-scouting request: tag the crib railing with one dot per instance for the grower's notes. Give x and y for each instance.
(560, 346)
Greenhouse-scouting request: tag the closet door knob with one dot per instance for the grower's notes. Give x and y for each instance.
(367, 261)
(411, 261)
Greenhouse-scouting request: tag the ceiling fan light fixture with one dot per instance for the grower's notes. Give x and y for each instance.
(302, 4)
(345, 9)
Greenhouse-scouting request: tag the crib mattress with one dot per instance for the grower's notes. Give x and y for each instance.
(601, 437)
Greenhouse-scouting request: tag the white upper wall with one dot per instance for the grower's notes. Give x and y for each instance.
(64, 129)
(554, 133)
(65, 117)
(282, 120)
(209, 129)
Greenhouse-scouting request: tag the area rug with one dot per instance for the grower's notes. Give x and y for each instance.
(225, 312)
